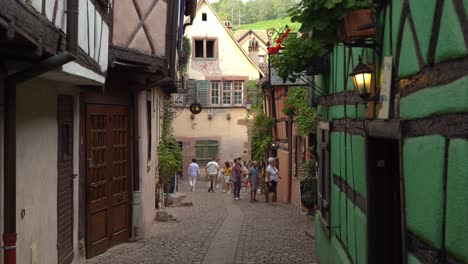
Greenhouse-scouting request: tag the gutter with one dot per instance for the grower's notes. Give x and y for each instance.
(11, 81)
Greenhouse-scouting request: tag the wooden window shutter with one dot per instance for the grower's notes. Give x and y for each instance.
(324, 172)
(203, 88)
(191, 92)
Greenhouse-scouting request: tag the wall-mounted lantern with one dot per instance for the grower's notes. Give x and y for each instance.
(228, 116)
(274, 146)
(210, 116)
(363, 75)
(248, 104)
(192, 116)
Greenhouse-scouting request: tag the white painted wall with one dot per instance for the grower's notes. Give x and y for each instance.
(232, 59)
(60, 20)
(37, 169)
(146, 212)
(93, 33)
(233, 133)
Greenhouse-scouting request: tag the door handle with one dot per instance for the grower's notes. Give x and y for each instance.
(119, 198)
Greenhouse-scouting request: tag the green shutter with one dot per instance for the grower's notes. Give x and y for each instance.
(205, 150)
(202, 91)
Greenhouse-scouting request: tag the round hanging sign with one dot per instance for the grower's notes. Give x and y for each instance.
(195, 108)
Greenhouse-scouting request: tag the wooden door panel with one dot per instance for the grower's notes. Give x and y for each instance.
(65, 180)
(108, 179)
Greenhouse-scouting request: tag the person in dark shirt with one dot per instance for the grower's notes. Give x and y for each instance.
(237, 173)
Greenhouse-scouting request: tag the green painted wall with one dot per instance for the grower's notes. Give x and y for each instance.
(457, 200)
(443, 99)
(424, 187)
(451, 43)
(409, 64)
(413, 259)
(423, 157)
(422, 12)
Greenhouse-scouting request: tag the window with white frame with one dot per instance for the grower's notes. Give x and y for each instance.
(215, 96)
(227, 93)
(238, 93)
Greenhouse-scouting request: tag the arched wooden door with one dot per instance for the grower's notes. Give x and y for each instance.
(108, 168)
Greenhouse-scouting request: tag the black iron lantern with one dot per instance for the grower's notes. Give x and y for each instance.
(362, 77)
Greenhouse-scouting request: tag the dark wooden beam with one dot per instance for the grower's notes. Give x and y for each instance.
(435, 31)
(383, 128)
(342, 98)
(41, 67)
(353, 127)
(439, 74)
(450, 126)
(427, 253)
(352, 195)
(156, 63)
(30, 25)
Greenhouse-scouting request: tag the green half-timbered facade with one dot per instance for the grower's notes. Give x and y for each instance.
(393, 176)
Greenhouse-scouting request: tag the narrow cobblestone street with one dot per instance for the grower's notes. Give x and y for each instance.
(220, 230)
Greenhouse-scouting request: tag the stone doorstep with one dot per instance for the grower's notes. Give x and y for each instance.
(163, 216)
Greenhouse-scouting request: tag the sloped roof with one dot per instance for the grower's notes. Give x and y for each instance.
(231, 35)
(260, 34)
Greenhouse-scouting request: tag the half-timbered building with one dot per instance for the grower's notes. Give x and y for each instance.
(393, 165)
(79, 112)
(217, 77)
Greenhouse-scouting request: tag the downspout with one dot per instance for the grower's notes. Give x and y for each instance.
(11, 81)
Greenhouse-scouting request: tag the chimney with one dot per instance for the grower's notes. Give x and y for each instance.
(253, 50)
(228, 24)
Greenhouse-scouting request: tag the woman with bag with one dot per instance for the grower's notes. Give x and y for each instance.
(271, 179)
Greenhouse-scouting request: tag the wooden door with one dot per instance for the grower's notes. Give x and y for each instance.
(108, 177)
(65, 180)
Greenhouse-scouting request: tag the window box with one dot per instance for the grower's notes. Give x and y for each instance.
(358, 25)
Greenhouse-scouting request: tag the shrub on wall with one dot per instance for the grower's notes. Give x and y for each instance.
(169, 152)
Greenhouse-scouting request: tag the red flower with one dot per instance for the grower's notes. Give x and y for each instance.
(288, 30)
(279, 40)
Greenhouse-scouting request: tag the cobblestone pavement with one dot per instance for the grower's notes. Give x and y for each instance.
(218, 229)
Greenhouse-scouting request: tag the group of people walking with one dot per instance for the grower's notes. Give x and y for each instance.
(236, 174)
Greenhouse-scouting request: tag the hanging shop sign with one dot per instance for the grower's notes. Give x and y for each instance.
(275, 80)
(195, 108)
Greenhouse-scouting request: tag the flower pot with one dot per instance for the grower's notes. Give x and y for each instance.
(318, 65)
(358, 25)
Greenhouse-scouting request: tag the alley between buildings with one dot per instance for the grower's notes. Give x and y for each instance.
(219, 230)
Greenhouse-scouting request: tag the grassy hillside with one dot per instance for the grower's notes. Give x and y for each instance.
(274, 23)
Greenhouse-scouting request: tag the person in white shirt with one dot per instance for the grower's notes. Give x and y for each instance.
(212, 169)
(193, 173)
(271, 179)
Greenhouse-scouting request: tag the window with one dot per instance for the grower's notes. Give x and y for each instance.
(215, 93)
(227, 93)
(238, 93)
(199, 49)
(261, 58)
(204, 18)
(210, 52)
(324, 172)
(205, 150)
(205, 48)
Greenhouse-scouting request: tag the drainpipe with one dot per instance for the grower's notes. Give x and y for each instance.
(9, 232)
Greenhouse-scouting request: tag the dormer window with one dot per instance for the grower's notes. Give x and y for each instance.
(204, 17)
